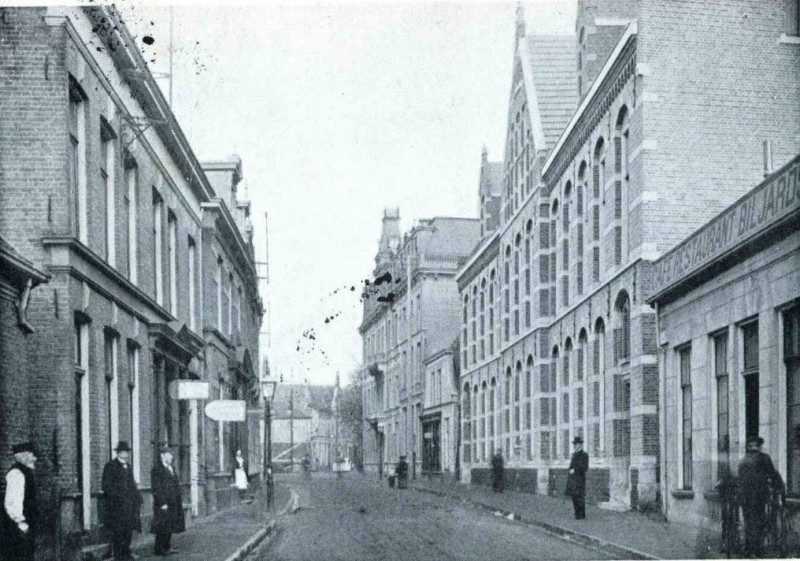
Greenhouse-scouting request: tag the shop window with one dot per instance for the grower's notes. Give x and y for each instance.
(684, 358)
(723, 428)
(791, 354)
(751, 378)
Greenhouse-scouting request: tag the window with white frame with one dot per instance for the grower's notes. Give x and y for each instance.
(685, 369)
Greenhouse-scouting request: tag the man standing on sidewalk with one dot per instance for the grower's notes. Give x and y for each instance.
(167, 503)
(18, 520)
(122, 502)
(498, 472)
(576, 481)
(757, 478)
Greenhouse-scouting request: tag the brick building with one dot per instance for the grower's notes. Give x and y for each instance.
(621, 140)
(100, 190)
(410, 315)
(728, 301)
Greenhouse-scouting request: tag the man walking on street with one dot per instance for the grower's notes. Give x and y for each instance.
(122, 502)
(498, 472)
(18, 521)
(757, 479)
(576, 480)
(167, 503)
(402, 473)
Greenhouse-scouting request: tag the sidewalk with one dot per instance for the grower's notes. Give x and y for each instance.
(220, 535)
(628, 535)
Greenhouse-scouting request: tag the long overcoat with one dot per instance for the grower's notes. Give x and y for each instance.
(122, 499)
(757, 476)
(166, 491)
(576, 481)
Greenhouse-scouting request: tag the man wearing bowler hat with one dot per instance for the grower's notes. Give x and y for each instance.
(167, 503)
(122, 502)
(757, 479)
(18, 521)
(576, 480)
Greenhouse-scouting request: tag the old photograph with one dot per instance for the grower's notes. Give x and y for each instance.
(408, 280)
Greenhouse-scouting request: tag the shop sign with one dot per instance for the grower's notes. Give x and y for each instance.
(188, 389)
(230, 410)
(768, 203)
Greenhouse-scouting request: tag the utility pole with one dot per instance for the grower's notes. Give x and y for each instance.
(291, 429)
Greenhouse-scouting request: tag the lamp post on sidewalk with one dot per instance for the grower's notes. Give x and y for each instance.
(268, 391)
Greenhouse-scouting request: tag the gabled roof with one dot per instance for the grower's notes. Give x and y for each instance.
(305, 399)
(550, 74)
(491, 179)
(450, 236)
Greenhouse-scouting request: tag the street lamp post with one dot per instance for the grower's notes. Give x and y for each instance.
(268, 391)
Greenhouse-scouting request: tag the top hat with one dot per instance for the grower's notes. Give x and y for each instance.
(403, 457)
(122, 446)
(757, 440)
(164, 448)
(577, 440)
(23, 447)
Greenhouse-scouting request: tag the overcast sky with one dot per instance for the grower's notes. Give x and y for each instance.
(339, 110)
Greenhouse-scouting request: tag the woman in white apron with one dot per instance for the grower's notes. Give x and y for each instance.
(240, 475)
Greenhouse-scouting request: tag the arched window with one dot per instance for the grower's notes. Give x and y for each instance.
(483, 295)
(580, 359)
(622, 328)
(507, 266)
(492, 406)
(621, 169)
(565, 370)
(580, 188)
(598, 185)
(529, 377)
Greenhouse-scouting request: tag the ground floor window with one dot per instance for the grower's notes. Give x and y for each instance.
(791, 346)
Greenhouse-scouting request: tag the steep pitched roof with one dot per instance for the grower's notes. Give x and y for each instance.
(305, 400)
(491, 179)
(548, 65)
(453, 236)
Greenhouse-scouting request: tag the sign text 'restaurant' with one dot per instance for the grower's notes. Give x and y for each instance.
(766, 204)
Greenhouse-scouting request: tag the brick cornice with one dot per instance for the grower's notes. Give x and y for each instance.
(88, 259)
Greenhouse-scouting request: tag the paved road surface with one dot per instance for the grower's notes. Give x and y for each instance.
(356, 519)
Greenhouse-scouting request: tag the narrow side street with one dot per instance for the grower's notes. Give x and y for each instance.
(354, 518)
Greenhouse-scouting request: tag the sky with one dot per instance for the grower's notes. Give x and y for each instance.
(339, 110)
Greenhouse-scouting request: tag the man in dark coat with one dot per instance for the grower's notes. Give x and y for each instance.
(19, 513)
(122, 501)
(576, 480)
(401, 470)
(167, 503)
(498, 472)
(757, 479)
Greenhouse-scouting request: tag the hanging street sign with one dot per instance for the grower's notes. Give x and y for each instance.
(188, 389)
(231, 410)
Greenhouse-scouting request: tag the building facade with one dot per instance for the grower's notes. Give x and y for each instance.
(728, 301)
(102, 192)
(410, 313)
(615, 140)
(440, 412)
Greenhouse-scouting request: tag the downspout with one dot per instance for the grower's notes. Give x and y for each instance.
(662, 415)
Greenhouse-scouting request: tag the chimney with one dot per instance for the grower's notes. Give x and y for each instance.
(520, 20)
(390, 233)
(768, 168)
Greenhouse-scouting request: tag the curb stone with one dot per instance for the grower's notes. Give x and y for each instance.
(559, 531)
(268, 530)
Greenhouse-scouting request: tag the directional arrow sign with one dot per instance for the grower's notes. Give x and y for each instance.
(188, 389)
(227, 410)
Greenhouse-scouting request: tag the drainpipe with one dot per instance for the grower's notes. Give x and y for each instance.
(662, 415)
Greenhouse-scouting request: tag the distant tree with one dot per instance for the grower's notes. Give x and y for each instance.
(351, 413)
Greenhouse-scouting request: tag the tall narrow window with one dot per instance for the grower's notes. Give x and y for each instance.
(83, 444)
(229, 293)
(133, 394)
(192, 286)
(791, 357)
(158, 246)
(723, 429)
(112, 392)
(684, 357)
(172, 228)
(218, 278)
(750, 373)
(132, 202)
(108, 177)
(77, 157)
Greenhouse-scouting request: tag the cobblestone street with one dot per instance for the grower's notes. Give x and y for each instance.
(357, 518)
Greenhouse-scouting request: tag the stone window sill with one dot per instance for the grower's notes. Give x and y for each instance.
(789, 39)
(683, 494)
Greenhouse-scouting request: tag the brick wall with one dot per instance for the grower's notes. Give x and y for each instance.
(712, 97)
